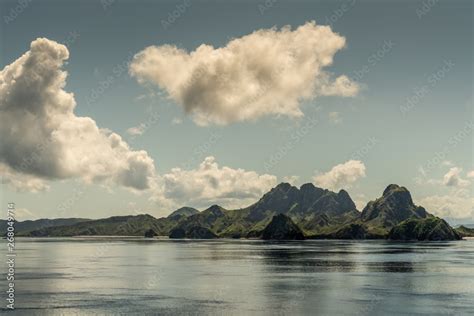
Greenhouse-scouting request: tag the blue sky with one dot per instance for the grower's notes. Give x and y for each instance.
(412, 62)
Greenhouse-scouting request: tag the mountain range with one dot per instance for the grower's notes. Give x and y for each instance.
(285, 212)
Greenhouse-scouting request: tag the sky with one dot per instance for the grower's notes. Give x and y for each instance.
(194, 103)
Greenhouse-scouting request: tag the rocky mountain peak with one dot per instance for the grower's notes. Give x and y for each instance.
(390, 188)
(307, 187)
(284, 187)
(308, 200)
(395, 206)
(279, 199)
(398, 194)
(345, 200)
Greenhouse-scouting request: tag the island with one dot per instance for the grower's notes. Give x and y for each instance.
(284, 213)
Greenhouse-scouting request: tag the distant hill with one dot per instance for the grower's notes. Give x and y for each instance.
(465, 231)
(112, 226)
(183, 212)
(315, 212)
(116, 225)
(24, 227)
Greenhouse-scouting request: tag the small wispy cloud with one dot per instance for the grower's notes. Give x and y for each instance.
(335, 117)
(453, 178)
(136, 130)
(176, 121)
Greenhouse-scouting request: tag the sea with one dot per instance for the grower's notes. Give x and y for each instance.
(138, 276)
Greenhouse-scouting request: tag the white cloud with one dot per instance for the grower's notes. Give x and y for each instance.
(268, 72)
(458, 205)
(291, 179)
(335, 117)
(210, 184)
(41, 137)
(176, 121)
(137, 130)
(447, 163)
(360, 200)
(422, 171)
(453, 178)
(21, 182)
(341, 176)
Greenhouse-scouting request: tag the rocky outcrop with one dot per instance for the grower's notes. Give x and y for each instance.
(177, 233)
(433, 228)
(150, 233)
(395, 206)
(194, 232)
(282, 228)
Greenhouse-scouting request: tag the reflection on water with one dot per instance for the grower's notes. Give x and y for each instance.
(97, 276)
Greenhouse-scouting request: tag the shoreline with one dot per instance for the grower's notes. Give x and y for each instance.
(166, 238)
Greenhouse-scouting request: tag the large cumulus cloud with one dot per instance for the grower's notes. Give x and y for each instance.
(268, 72)
(210, 183)
(42, 139)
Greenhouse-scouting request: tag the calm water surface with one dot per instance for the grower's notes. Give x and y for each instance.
(131, 276)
